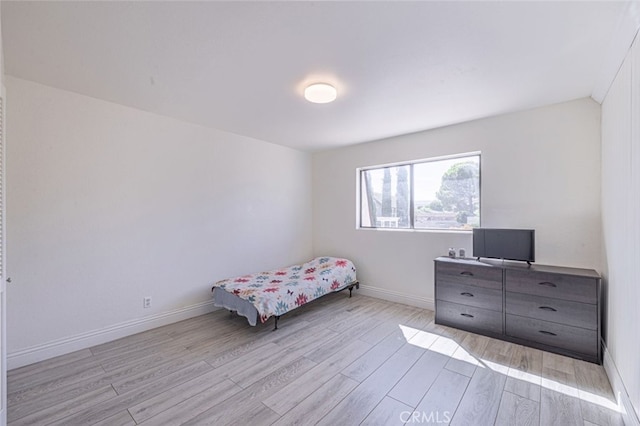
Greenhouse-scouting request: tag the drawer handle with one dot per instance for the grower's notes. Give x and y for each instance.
(467, 315)
(466, 294)
(548, 333)
(547, 284)
(548, 308)
(467, 273)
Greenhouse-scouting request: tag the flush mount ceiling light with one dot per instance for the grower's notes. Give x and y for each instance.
(320, 93)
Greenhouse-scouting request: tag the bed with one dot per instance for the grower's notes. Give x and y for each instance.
(274, 293)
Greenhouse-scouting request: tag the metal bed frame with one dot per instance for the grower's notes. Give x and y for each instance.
(355, 284)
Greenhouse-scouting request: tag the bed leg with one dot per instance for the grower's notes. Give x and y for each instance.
(277, 317)
(356, 285)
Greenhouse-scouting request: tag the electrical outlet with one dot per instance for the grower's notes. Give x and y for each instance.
(146, 302)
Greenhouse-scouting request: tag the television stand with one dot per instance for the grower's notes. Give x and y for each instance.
(552, 308)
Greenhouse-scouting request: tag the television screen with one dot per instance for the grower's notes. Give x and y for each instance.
(510, 244)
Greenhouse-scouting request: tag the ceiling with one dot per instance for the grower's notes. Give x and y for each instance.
(399, 67)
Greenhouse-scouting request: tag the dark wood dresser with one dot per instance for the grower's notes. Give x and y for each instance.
(547, 307)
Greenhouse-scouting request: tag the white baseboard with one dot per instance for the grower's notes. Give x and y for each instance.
(629, 415)
(96, 337)
(394, 296)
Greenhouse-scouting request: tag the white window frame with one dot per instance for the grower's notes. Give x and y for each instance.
(359, 185)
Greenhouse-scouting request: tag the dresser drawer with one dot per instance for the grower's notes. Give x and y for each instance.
(560, 311)
(567, 287)
(549, 333)
(470, 295)
(469, 274)
(468, 317)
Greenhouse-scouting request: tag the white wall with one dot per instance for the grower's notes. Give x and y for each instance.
(621, 221)
(540, 169)
(108, 204)
(1, 61)
(3, 341)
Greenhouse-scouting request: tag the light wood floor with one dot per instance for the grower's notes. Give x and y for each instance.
(337, 361)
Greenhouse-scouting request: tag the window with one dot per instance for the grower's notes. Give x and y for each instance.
(442, 193)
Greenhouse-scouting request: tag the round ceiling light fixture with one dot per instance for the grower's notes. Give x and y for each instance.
(320, 93)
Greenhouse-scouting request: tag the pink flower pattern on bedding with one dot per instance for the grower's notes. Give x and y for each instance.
(279, 291)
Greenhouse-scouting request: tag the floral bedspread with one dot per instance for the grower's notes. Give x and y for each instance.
(279, 291)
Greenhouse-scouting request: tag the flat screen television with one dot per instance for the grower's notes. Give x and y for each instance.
(509, 244)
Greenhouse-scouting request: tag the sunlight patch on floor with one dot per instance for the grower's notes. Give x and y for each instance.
(409, 332)
(524, 376)
(462, 355)
(422, 339)
(500, 368)
(449, 347)
(599, 400)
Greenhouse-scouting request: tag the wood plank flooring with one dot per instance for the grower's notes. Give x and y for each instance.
(337, 361)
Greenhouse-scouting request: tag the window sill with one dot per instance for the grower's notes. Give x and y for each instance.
(428, 231)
